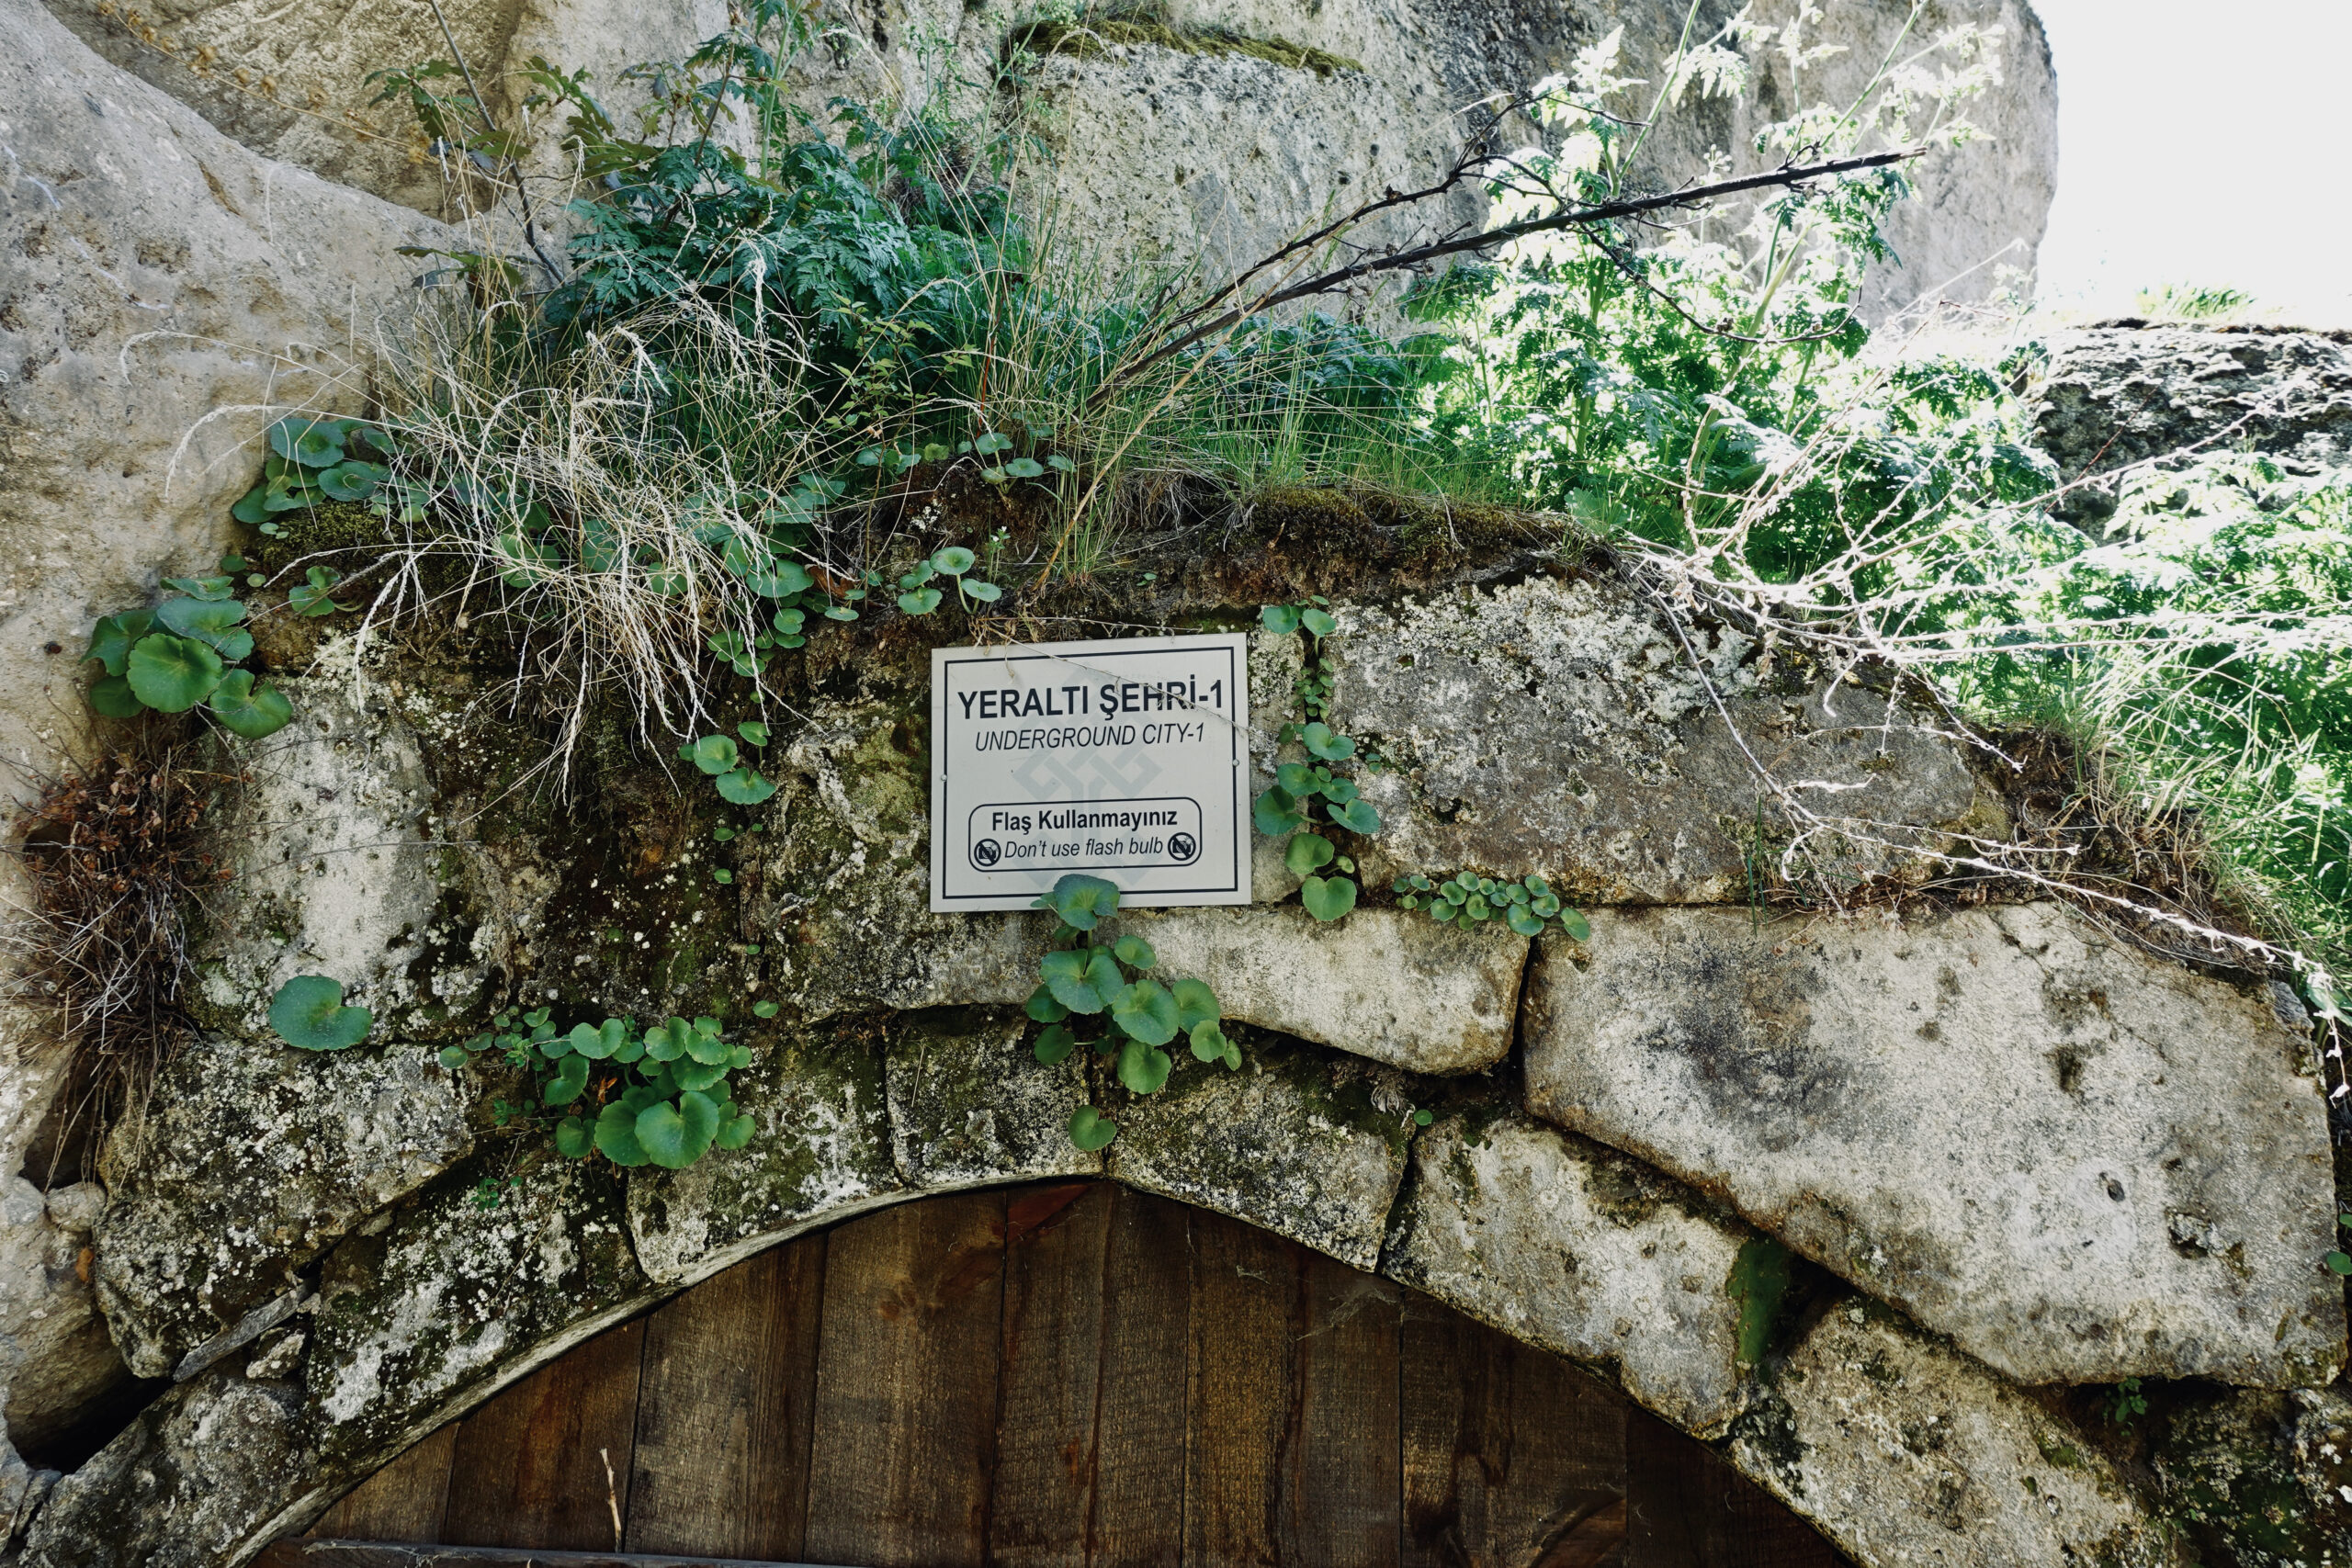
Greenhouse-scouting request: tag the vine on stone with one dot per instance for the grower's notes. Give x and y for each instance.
(1077, 978)
(660, 1097)
(1310, 798)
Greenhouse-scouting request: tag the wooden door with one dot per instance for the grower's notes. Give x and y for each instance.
(1066, 1375)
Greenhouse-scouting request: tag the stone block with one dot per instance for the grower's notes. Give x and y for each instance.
(970, 1104)
(2082, 1162)
(246, 1161)
(1902, 1451)
(1395, 986)
(1301, 1143)
(464, 1291)
(1566, 1244)
(820, 1151)
(1558, 727)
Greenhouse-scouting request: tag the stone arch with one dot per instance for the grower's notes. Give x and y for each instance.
(1053, 1371)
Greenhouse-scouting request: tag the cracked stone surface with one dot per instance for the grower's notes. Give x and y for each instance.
(2081, 1162)
(245, 1163)
(1903, 1452)
(1555, 726)
(821, 1152)
(970, 1103)
(1305, 1146)
(1564, 1244)
(462, 1294)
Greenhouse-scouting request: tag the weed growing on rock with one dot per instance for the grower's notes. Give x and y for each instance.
(1081, 978)
(658, 1096)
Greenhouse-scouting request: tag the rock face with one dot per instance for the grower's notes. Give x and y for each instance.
(249, 1161)
(1566, 1244)
(2116, 396)
(970, 1104)
(63, 1359)
(1305, 1147)
(1555, 726)
(1905, 1452)
(2081, 1163)
(333, 875)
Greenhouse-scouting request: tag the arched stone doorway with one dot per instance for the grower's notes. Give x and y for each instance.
(1068, 1374)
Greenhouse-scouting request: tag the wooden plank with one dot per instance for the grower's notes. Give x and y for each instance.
(1340, 1487)
(1045, 1438)
(906, 1370)
(1511, 1455)
(403, 1501)
(322, 1554)
(1139, 1468)
(1686, 1507)
(1246, 1289)
(546, 1464)
(726, 1408)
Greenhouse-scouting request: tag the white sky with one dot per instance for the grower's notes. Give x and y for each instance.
(2202, 144)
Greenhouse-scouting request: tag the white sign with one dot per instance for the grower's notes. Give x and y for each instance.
(1126, 761)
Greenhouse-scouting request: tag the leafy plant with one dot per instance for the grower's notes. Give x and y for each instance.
(2126, 1404)
(656, 1097)
(308, 1012)
(738, 782)
(954, 563)
(315, 460)
(1310, 798)
(179, 654)
(1139, 1014)
(1528, 906)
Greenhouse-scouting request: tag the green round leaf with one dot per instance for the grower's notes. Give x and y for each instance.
(455, 1056)
(1025, 468)
(617, 1135)
(1279, 619)
(715, 754)
(2341, 1263)
(353, 480)
(1080, 900)
(574, 1140)
(954, 560)
(1041, 1006)
(985, 592)
(1054, 1044)
(1357, 817)
(743, 787)
(172, 674)
(1423, 1118)
(1326, 742)
(1134, 951)
(245, 710)
(1195, 1003)
(990, 443)
(1319, 622)
(922, 601)
(1276, 812)
(734, 1133)
(1144, 1069)
(1090, 1130)
(307, 1013)
(113, 698)
(111, 638)
(1147, 1011)
(316, 443)
(1524, 920)
(1081, 980)
(1209, 1043)
(789, 579)
(1328, 898)
(1476, 907)
(1575, 925)
(570, 1081)
(1307, 853)
(251, 509)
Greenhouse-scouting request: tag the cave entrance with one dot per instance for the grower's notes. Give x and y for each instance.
(1073, 1373)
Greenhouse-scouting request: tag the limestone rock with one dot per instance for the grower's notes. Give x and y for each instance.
(1563, 1243)
(205, 1477)
(169, 293)
(970, 1104)
(1556, 726)
(462, 1293)
(1298, 1142)
(59, 1355)
(821, 1152)
(1393, 986)
(1903, 1452)
(2081, 1162)
(333, 875)
(2113, 397)
(244, 1163)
